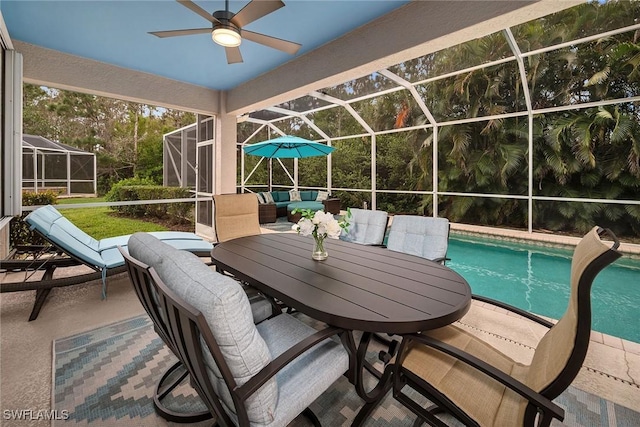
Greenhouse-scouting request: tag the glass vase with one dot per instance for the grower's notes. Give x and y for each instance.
(319, 253)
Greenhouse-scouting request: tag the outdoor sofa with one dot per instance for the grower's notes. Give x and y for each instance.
(276, 204)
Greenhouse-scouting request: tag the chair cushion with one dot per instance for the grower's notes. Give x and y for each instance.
(485, 400)
(425, 237)
(365, 227)
(306, 378)
(226, 308)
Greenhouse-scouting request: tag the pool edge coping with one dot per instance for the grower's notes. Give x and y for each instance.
(627, 249)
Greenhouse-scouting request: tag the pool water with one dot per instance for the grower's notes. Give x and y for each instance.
(536, 279)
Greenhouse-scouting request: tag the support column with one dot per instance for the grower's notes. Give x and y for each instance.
(226, 146)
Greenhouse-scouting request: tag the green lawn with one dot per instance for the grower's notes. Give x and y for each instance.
(100, 222)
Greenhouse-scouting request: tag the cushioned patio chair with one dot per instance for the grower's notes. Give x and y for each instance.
(247, 374)
(424, 236)
(142, 284)
(72, 246)
(235, 215)
(366, 227)
(479, 385)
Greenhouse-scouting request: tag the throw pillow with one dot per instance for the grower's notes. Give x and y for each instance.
(268, 198)
(260, 198)
(294, 196)
(322, 195)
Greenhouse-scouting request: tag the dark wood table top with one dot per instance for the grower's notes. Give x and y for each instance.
(358, 287)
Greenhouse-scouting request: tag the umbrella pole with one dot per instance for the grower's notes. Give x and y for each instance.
(270, 174)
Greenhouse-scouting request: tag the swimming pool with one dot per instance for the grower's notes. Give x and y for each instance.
(536, 279)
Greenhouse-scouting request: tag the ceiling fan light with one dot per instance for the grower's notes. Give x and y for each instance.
(226, 36)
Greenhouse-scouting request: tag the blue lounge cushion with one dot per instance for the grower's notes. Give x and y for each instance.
(102, 254)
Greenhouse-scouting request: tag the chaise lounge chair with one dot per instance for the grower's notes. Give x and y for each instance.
(71, 246)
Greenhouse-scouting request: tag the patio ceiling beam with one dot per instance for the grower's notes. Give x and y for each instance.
(413, 30)
(53, 68)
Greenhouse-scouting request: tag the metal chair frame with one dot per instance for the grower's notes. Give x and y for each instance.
(540, 407)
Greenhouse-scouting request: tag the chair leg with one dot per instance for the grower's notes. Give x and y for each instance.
(163, 390)
(41, 297)
(311, 417)
(41, 294)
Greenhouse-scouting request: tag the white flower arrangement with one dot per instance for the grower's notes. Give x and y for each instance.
(320, 224)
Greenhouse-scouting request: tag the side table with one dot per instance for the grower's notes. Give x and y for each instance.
(267, 212)
(332, 205)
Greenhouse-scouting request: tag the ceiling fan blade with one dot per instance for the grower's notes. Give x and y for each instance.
(233, 55)
(174, 33)
(200, 11)
(255, 9)
(274, 42)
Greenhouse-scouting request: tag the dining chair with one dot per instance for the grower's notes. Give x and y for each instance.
(424, 236)
(139, 276)
(366, 227)
(481, 386)
(235, 215)
(246, 374)
(141, 281)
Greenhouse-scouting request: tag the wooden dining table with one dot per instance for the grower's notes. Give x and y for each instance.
(358, 288)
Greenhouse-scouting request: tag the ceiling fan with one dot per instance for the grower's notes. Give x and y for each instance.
(227, 28)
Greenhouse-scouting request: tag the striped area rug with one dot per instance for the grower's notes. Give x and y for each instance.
(107, 377)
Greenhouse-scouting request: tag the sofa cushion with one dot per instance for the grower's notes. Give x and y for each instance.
(268, 197)
(282, 204)
(314, 206)
(307, 196)
(225, 306)
(294, 196)
(322, 195)
(280, 196)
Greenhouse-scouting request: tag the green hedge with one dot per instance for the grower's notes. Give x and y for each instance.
(19, 232)
(177, 212)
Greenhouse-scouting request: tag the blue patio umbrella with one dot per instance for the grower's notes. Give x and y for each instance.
(288, 147)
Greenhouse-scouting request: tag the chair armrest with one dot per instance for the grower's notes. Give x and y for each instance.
(247, 389)
(513, 309)
(532, 396)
